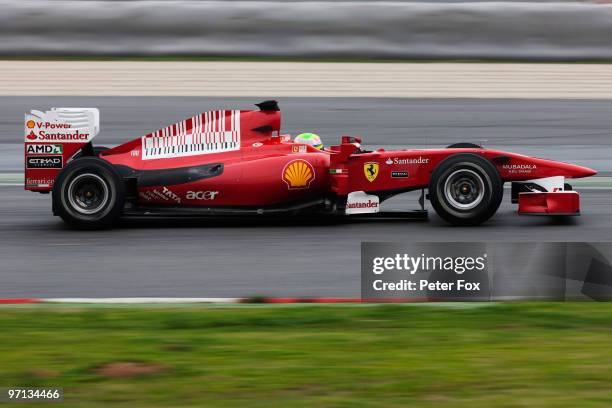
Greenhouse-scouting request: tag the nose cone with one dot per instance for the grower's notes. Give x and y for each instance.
(580, 171)
(556, 168)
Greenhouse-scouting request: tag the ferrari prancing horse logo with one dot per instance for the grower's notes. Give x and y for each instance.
(370, 169)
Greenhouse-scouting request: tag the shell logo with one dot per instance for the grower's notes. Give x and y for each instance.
(298, 174)
(30, 124)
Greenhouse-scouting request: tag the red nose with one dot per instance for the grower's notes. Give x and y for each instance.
(580, 171)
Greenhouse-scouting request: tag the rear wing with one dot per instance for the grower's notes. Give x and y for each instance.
(51, 139)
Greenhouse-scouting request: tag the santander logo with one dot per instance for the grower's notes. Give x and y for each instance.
(361, 204)
(31, 136)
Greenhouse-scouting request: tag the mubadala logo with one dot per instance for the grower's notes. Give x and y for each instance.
(519, 167)
(413, 160)
(44, 149)
(201, 195)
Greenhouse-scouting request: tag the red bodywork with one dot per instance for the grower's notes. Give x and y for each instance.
(258, 167)
(560, 203)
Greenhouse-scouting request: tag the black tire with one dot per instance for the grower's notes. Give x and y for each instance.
(466, 189)
(88, 194)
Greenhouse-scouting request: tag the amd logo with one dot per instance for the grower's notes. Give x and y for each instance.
(44, 149)
(201, 195)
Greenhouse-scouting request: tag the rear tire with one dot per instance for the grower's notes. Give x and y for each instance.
(466, 189)
(88, 194)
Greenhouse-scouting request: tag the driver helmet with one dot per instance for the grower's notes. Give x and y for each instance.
(311, 139)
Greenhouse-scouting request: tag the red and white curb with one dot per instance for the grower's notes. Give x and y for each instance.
(245, 300)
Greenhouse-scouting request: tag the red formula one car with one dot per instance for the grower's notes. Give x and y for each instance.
(233, 162)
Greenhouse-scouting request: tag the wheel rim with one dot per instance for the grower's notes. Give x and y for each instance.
(88, 193)
(464, 189)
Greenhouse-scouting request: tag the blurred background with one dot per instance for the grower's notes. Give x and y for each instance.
(364, 29)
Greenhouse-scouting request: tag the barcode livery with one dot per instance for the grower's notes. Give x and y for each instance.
(208, 132)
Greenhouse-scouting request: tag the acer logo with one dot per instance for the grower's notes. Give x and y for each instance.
(201, 195)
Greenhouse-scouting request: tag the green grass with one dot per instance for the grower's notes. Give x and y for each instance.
(503, 355)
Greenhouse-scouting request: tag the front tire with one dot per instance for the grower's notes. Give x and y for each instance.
(466, 189)
(88, 194)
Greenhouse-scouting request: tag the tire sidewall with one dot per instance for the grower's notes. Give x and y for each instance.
(493, 189)
(107, 213)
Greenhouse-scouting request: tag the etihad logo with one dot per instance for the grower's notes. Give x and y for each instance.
(370, 169)
(413, 160)
(44, 162)
(298, 174)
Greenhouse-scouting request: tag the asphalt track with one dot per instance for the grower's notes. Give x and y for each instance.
(201, 258)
